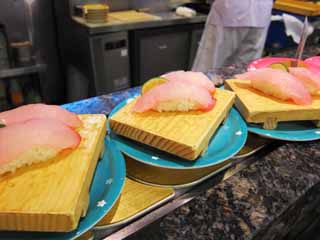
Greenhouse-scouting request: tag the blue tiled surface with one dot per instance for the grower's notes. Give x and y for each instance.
(101, 104)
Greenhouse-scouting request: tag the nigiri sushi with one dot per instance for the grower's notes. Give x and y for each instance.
(314, 61)
(190, 77)
(309, 79)
(279, 84)
(33, 111)
(175, 96)
(33, 141)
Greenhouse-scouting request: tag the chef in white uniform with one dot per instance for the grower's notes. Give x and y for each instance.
(235, 32)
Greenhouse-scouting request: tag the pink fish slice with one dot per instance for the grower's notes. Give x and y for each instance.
(32, 111)
(308, 78)
(175, 96)
(34, 141)
(191, 77)
(279, 84)
(314, 61)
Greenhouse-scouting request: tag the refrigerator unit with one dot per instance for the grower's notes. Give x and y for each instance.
(94, 64)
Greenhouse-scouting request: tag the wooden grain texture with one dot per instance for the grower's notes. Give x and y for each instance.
(257, 107)
(298, 7)
(184, 134)
(131, 16)
(52, 196)
(135, 198)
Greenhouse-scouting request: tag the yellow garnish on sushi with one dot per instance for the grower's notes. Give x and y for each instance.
(280, 66)
(152, 83)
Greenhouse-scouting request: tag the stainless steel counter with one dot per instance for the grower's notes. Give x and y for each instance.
(107, 57)
(162, 19)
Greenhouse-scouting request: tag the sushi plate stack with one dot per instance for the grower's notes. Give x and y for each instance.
(96, 13)
(159, 163)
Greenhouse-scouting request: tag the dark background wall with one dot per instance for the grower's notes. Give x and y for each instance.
(33, 20)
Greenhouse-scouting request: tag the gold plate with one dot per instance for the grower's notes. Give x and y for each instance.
(51, 196)
(135, 198)
(257, 107)
(184, 134)
(95, 7)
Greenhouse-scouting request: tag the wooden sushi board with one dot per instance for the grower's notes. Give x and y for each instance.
(132, 16)
(257, 107)
(52, 196)
(184, 134)
(298, 7)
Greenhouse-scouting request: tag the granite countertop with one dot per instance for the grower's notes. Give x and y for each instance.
(276, 197)
(162, 19)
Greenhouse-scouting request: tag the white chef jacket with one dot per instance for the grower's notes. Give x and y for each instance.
(235, 32)
(241, 13)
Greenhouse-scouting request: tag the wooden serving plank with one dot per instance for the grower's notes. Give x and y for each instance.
(51, 196)
(257, 107)
(132, 16)
(184, 134)
(135, 198)
(298, 7)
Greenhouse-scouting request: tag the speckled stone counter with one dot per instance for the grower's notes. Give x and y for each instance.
(265, 201)
(276, 197)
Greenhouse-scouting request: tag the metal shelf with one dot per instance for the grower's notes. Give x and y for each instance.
(21, 71)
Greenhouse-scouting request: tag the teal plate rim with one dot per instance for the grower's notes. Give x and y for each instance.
(102, 199)
(298, 131)
(226, 142)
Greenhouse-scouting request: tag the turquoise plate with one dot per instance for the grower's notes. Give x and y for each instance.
(227, 141)
(105, 190)
(289, 131)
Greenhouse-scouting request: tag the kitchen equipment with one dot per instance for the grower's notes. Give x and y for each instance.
(110, 54)
(34, 21)
(132, 16)
(22, 53)
(151, 49)
(16, 94)
(3, 96)
(95, 13)
(183, 134)
(4, 48)
(113, 5)
(56, 190)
